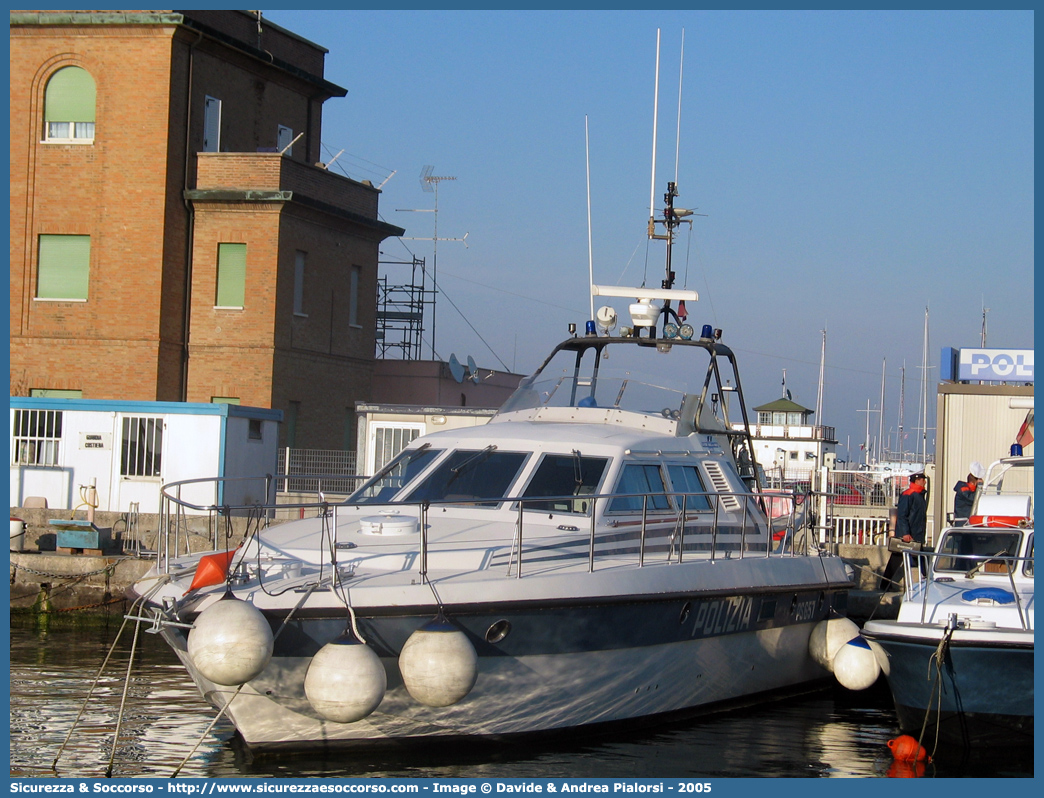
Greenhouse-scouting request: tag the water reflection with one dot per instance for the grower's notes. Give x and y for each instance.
(827, 734)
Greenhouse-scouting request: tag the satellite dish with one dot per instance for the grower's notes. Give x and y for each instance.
(456, 369)
(473, 374)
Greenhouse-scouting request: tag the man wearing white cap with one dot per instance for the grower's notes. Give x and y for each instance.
(964, 498)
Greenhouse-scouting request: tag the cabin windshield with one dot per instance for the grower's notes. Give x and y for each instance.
(399, 472)
(974, 549)
(480, 476)
(563, 476)
(623, 376)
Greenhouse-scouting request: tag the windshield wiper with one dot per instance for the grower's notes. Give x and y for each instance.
(578, 471)
(475, 458)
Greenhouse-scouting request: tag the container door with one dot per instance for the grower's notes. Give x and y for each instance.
(138, 464)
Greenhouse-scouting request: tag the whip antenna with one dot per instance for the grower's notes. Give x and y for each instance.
(677, 136)
(590, 255)
(656, 100)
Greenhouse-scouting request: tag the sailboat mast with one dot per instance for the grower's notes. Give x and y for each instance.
(924, 392)
(902, 404)
(819, 391)
(880, 415)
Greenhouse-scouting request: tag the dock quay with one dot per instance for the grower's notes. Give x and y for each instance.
(47, 578)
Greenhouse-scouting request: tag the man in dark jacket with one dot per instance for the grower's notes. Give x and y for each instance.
(910, 525)
(965, 490)
(912, 520)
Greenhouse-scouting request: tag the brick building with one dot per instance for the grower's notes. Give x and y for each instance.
(173, 234)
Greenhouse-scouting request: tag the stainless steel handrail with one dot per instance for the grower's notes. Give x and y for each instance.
(930, 557)
(174, 507)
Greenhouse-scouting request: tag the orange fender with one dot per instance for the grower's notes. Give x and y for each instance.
(212, 570)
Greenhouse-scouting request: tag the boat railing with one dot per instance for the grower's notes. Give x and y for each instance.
(180, 517)
(920, 570)
(717, 525)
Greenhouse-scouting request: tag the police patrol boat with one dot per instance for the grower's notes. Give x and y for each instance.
(959, 657)
(599, 553)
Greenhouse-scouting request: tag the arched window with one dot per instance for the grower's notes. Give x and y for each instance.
(69, 106)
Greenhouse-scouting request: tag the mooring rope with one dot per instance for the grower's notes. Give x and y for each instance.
(141, 599)
(935, 663)
(206, 732)
(123, 698)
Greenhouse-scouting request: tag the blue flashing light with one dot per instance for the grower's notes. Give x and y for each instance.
(591, 329)
(707, 332)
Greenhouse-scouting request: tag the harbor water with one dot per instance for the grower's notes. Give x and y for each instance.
(56, 658)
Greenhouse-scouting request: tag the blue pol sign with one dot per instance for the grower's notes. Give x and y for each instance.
(996, 365)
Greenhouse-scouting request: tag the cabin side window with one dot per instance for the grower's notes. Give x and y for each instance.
(686, 480)
(561, 476)
(640, 480)
(471, 477)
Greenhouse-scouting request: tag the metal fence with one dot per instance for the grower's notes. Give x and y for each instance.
(862, 488)
(328, 462)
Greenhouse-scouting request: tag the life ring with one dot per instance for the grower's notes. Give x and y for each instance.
(1008, 521)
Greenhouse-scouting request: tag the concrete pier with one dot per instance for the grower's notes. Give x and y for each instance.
(50, 580)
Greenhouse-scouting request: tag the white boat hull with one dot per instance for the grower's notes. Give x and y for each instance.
(528, 694)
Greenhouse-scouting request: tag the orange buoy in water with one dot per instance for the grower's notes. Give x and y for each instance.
(906, 749)
(212, 570)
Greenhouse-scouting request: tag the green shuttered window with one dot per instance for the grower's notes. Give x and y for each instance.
(231, 276)
(64, 266)
(69, 106)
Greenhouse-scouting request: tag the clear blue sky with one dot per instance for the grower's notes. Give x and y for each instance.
(854, 169)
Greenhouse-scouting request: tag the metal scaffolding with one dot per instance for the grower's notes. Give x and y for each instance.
(401, 305)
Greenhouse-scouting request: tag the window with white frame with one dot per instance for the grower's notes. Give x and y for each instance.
(63, 267)
(69, 102)
(231, 276)
(36, 437)
(387, 440)
(56, 393)
(141, 446)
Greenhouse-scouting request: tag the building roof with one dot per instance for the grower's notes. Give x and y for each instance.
(783, 405)
(194, 21)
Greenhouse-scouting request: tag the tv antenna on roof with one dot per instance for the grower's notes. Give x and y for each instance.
(430, 183)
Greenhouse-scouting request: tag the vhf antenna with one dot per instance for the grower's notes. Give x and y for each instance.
(672, 217)
(430, 183)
